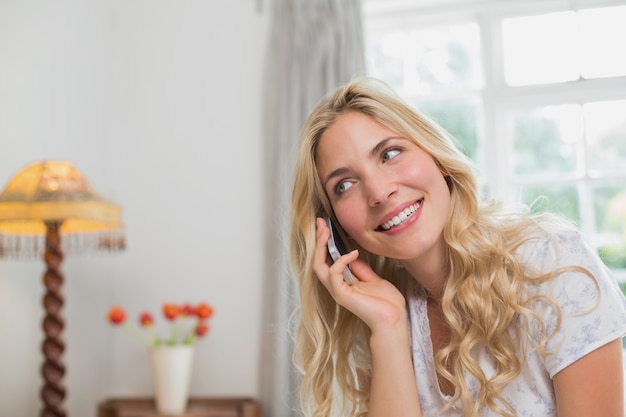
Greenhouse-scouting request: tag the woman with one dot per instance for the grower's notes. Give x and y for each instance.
(459, 307)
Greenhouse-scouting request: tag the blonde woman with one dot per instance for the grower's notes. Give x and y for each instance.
(459, 307)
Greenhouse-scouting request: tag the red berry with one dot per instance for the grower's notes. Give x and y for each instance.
(116, 315)
(202, 329)
(171, 311)
(145, 319)
(187, 310)
(204, 311)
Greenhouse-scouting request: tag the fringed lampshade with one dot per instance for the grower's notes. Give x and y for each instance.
(42, 202)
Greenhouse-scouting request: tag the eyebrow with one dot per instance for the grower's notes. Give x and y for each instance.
(373, 153)
(336, 173)
(382, 145)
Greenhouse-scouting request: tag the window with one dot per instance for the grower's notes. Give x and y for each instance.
(535, 93)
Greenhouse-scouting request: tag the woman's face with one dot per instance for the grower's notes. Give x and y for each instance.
(387, 193)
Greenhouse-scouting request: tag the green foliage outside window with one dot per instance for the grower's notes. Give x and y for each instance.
(555, 199)
(610, 201)
(459, 119)
(539, 147)
(614, 257)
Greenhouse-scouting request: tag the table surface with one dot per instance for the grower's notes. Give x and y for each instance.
(197, 407)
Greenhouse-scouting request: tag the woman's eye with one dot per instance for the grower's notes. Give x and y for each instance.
(342, 187)
(390, 154)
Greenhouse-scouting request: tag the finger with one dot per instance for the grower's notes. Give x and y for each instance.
(363, 270)
(345, 260)
(321, 244)
(343, 264)
(329, 272)
(320, 257)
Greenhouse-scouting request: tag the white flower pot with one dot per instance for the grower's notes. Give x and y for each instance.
(171, 369)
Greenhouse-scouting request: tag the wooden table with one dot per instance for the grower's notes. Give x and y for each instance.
(198, 407)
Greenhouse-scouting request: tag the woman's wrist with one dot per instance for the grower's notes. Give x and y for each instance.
(396, 333)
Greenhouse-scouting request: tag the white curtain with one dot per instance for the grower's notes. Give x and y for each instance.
(315, 46)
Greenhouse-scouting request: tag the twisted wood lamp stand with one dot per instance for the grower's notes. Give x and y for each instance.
(53, 369)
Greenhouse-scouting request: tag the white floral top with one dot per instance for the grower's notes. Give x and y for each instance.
(583, 329)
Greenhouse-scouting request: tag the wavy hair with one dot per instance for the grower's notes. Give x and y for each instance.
(483, 298)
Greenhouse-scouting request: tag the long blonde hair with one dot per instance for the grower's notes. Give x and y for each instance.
(482, 297)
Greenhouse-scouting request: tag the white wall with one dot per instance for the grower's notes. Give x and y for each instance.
(158, 103)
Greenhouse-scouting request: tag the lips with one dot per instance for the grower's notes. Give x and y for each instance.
(401, 217)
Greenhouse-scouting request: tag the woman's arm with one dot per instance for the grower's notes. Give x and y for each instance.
(393, 389)
(593, 385)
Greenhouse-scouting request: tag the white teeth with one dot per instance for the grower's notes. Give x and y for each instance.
(401, 217)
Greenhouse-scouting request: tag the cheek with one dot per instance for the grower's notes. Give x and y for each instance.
(351, 216)
(428, 177)
(415, 173)
(423, 175)
(441, 198)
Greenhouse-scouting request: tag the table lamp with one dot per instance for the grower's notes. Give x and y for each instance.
(52, 198)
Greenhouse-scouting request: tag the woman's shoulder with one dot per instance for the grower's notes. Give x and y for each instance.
(524, 232)
(552, 247)
(547, 225)
(549, 243)
(554, 236)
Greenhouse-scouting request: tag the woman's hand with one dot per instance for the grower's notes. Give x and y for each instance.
(374, 300)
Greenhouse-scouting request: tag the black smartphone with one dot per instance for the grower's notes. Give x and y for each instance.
(336, 248)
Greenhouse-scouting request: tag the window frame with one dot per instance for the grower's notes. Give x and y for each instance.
(497, 97)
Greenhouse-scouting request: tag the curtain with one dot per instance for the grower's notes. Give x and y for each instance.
(314, 46)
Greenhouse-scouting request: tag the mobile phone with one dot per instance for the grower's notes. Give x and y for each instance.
(336, 248)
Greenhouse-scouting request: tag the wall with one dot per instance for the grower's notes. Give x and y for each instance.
(158, 104)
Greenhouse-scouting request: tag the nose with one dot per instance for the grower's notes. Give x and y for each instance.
(379, 189)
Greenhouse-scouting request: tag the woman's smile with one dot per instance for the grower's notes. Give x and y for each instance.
(406, 216)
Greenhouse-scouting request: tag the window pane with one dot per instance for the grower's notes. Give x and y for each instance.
(459, 118)
(609, 201)
(603, 32)
(540, 49)
(555, 199)
(546, 140)
(610, 205)
(385, 58)
(606, 136)
(422, 61)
